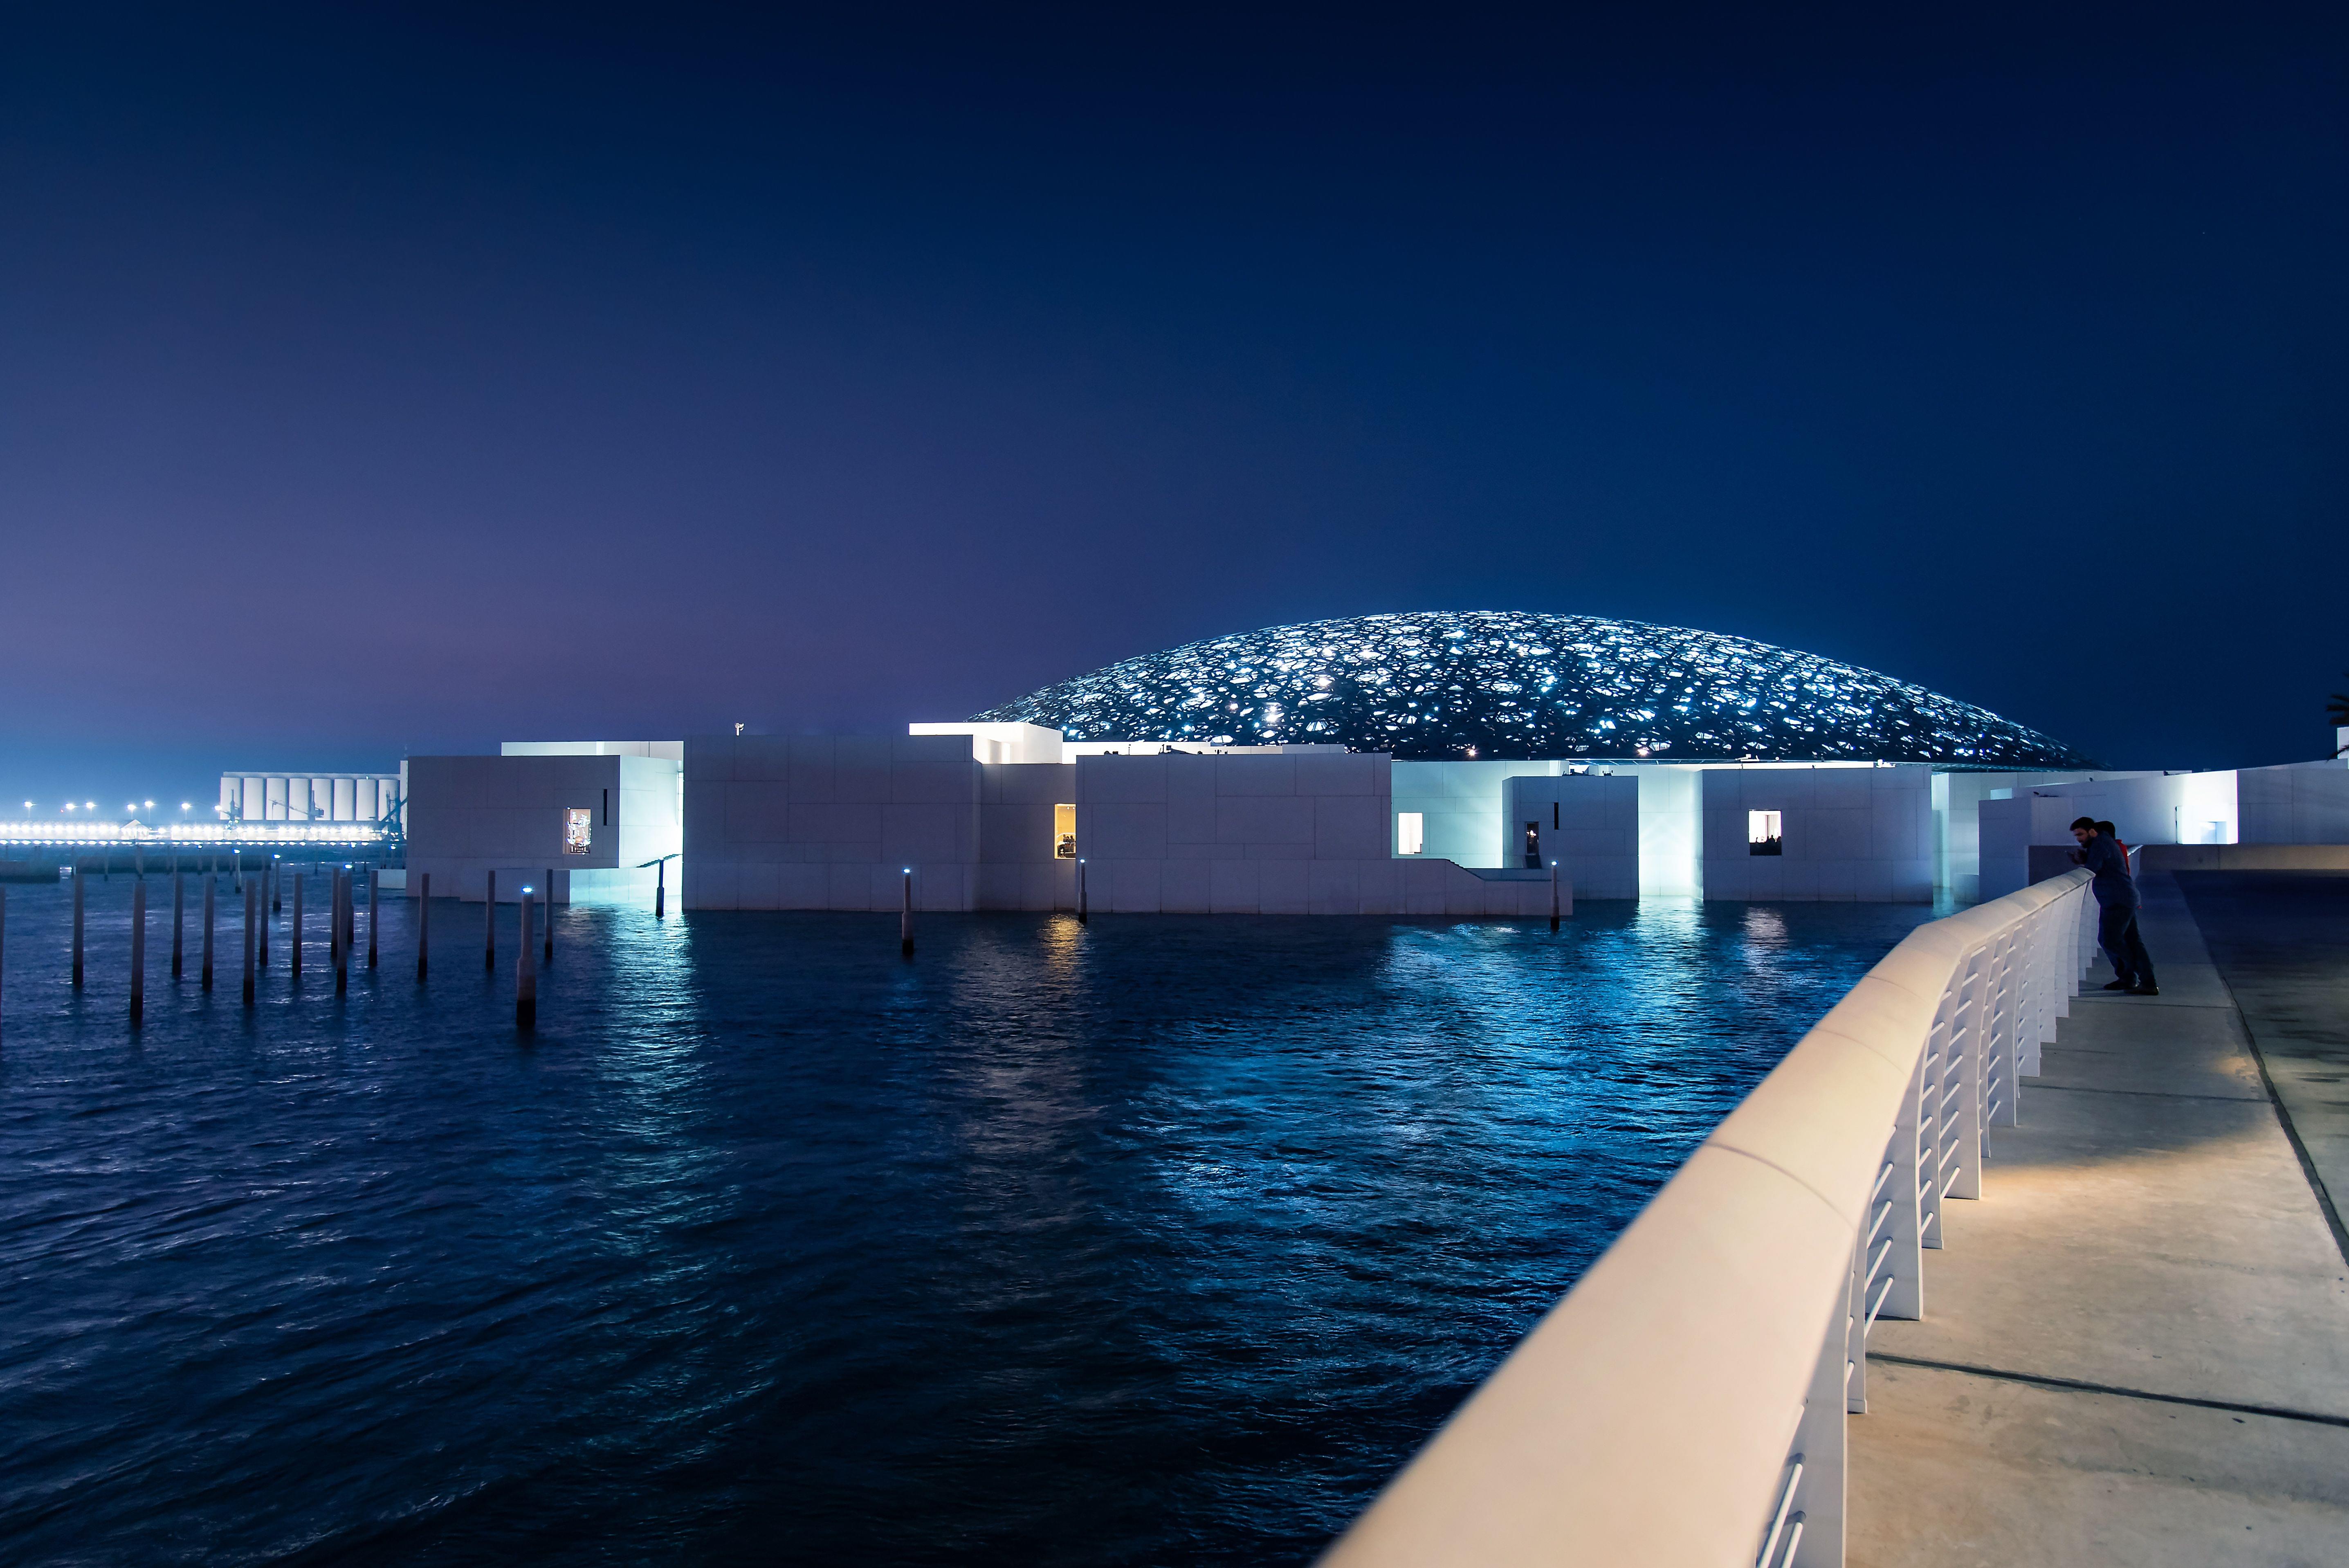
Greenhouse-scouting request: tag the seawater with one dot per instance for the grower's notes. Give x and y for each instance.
(1156, 1241)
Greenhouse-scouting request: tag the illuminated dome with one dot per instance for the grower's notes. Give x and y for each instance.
(1509, 685)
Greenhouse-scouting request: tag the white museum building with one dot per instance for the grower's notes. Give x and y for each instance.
(1408, 765)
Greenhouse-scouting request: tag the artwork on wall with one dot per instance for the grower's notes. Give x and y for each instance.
(577, 825)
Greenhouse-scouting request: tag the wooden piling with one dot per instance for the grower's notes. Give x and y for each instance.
(211, 885)
(293, 933)
(137, 952)
(550, 914)
(342, 932)
(373, 889)
(906, 920)
(276, 872)
(423, 924)
(179, 916)
(525, 974)
(1553, 895)
(251, 898)
(490, 927)
(76, 956)
(264, 909)
(661, 887)
(1084, 915)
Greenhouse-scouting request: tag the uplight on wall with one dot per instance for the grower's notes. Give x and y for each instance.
(1762, 833)
(1411, 832)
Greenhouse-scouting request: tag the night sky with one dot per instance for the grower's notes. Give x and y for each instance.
(378, 380)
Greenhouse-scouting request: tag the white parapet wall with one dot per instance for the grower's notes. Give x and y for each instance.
(821, 823)
(1588, 823)
(1684, 1405)
(593, 819)
(2289, 804)
(1858, 833)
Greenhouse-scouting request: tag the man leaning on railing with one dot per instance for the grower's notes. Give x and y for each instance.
(2116, 902)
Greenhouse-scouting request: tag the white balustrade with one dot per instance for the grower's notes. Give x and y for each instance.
(1685, 1403)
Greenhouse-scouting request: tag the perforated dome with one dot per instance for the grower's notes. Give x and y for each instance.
(1504, 684)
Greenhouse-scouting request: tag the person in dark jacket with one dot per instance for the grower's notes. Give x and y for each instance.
(2116, 903)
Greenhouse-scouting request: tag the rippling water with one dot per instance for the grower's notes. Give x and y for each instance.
(1161, 1241)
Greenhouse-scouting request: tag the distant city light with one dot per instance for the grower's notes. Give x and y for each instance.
(89, 805)
(151, 805)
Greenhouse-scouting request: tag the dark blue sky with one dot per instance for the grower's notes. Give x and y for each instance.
(396, 379)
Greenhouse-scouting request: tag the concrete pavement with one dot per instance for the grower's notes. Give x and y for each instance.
(2136, 1347)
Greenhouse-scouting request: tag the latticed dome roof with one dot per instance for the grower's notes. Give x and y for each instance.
(1507, 684)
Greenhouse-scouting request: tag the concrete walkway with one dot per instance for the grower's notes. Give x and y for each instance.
(2136, 1348)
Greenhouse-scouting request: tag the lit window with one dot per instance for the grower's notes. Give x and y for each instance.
(1532, 846)
(1761, 836)
(1409, 832)
(577, 824)
(1065, 832)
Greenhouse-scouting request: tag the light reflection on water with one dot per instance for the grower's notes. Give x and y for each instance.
(1151, 1240)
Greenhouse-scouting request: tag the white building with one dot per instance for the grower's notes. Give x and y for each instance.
(1390, 764)
(598, 815)
(260, 795)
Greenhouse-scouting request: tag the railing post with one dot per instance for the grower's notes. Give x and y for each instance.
(1959, 1165)
(1897, 1214)
(1813, 1536)
(1999, 1032)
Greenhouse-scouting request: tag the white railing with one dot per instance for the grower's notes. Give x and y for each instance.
(1684, 1405)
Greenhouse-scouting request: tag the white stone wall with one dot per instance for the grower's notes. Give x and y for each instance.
(2301, 803)
(1460, 807)
(1017, 869)
(807, 823)
(816, 822)
(2297, 803)
(470, 816)
(1848, 833)
(1587, 822)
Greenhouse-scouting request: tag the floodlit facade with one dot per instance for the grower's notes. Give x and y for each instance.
(592, 813)
(1432, 764)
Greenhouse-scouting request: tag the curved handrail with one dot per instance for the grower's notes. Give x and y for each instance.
(1648, 1419)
